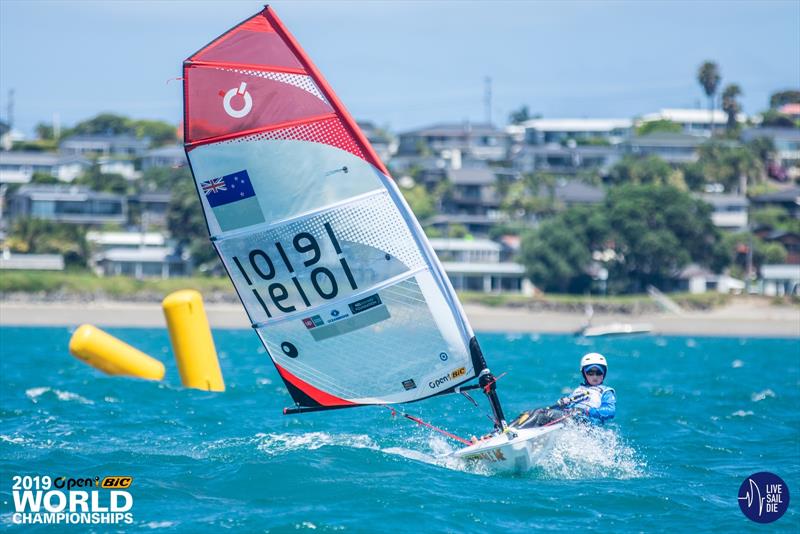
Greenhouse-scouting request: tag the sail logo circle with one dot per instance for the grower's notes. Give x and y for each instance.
(248, 101)
(763, 497)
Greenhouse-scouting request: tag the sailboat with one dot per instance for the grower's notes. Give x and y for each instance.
(336, 275)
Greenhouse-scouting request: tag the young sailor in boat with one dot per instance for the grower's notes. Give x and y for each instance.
(591, 402)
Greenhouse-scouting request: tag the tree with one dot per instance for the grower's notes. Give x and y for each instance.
(44, 131)
(97, 180)
(661, 126)
(38, 236)
(104, 123)
(159, 132)
(186, 222)
(708, 76)
(733, 166)
(781, 98)
(731, 106)
(640, 170)
(555, 256)
(519, 116)
(774, 118)
(658, 230)
(420, 201)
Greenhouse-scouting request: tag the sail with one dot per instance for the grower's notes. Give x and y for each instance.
(335, 273)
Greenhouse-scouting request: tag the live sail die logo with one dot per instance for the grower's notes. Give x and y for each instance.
(45, 500)
(763, 497)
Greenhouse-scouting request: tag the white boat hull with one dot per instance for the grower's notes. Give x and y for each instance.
(512, 452)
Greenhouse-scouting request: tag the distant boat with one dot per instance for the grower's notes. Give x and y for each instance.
(615, 329)
(611, 329)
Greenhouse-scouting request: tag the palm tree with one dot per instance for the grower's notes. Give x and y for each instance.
(730, 105)
(709, 78)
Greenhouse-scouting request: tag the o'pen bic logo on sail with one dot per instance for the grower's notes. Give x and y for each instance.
(233, 200)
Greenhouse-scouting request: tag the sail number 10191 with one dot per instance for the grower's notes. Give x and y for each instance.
(260, 266)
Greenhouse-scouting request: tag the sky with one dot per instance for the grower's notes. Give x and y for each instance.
(406, 64)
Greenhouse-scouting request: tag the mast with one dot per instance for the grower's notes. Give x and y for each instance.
(487, 382)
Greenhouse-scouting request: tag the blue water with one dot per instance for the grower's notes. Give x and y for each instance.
(696, 416)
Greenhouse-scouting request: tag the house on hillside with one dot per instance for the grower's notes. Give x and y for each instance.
(674, 148)
(729, 211)
(788, 199)
(787, 147)
(539, 132)
(104, 145)
(475, 265)
(451, 140)
(68, 204)
(564, 160)
(166, 156)
(472, 202)
(19, 167)
(693, 121)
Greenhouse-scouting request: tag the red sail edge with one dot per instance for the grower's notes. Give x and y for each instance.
(355, 131)
(262, 44)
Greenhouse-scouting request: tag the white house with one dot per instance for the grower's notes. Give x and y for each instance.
(693, 121)
(474, 265)
(19, 167)
(547, 131)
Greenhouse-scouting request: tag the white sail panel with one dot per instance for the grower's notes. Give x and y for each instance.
(333, 269)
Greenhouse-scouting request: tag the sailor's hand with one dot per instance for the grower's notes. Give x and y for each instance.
(564, 402)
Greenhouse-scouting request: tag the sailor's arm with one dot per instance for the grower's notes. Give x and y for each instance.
(608, 407)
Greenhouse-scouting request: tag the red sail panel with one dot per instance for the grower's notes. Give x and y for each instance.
(221, 102)
(254, 42)
(328, 131)
(256, 78)
(319, 396)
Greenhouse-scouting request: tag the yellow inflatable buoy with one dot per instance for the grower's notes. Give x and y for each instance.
(191, 341)
(111, 355)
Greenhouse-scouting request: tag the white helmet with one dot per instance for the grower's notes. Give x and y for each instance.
(594, 358)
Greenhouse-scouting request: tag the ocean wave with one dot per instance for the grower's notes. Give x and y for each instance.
(761, 395)
(439, 456)
(579, 452)
(35, 393)
(277, 444)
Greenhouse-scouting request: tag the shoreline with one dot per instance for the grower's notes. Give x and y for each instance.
(741, 319)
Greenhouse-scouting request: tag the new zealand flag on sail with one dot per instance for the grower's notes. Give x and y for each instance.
(233, 200)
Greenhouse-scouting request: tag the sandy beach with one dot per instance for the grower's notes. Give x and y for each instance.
(747, 317)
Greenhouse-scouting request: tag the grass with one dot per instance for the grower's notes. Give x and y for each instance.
(123, 287)
(82, 282)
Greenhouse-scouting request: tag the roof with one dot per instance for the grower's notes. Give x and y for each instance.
(63, 192)
(791, 194)
(456, 129)
(472, 176)
(106, 138)
(169, 151)
(780, 272)
(559, 150)
(671, 139)
(39, 158)
(150, 254)
(574, 191)
(723, 200)
(126, 238)
(441, 244)
(43, 262)
(154, 196)
(792, 108)
(577, 125)
(791, 134)
(690, 115)
(483, 268)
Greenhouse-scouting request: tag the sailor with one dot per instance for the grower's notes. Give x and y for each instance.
(593, 401)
